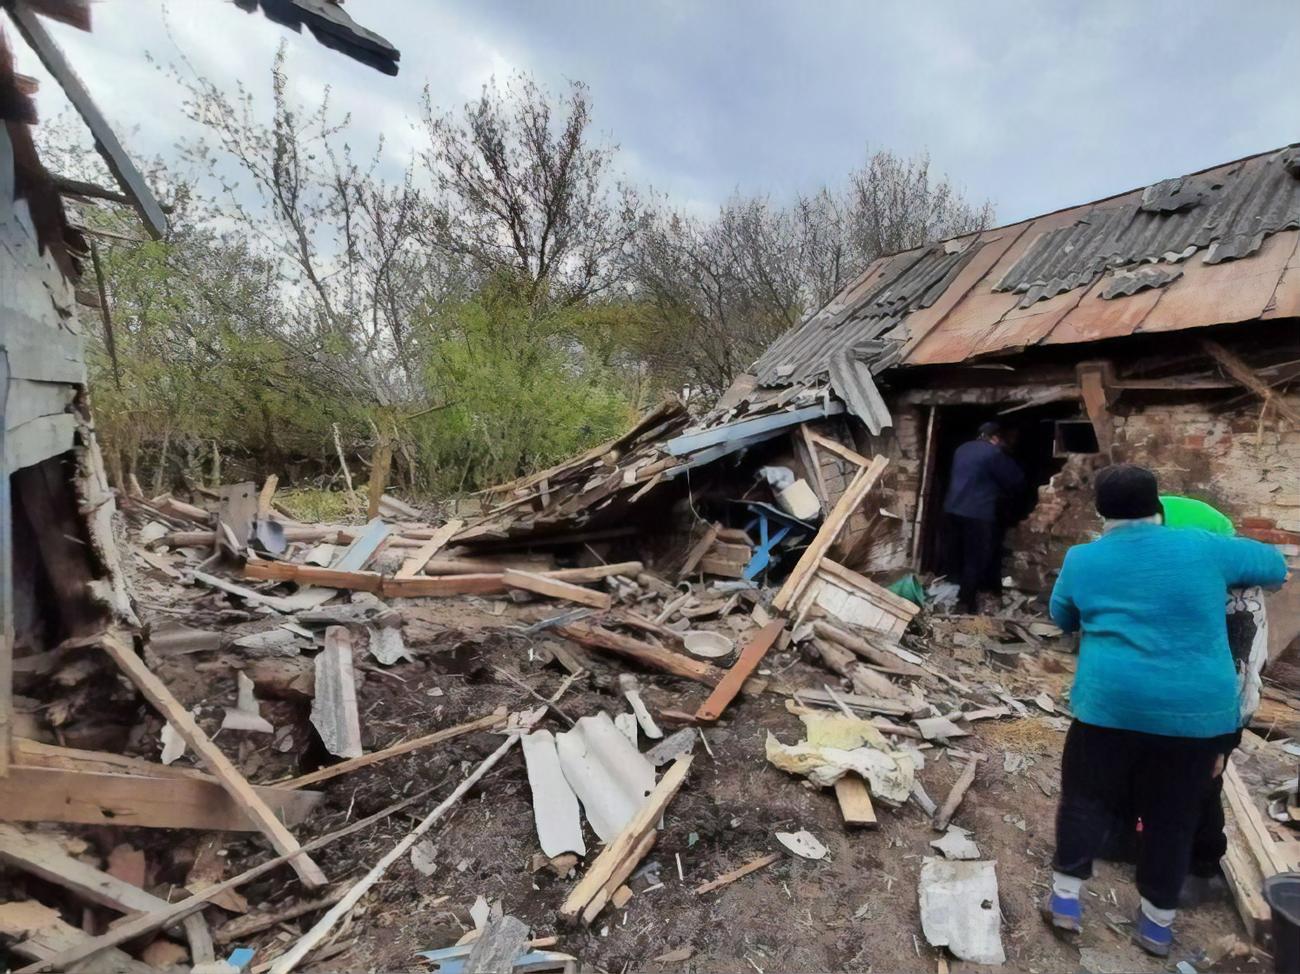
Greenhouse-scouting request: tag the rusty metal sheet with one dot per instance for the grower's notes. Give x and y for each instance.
(1286, 299)
(1213, 294)
(1094, 319)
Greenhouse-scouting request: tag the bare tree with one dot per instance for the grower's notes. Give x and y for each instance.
(714, 294)
(527, 192)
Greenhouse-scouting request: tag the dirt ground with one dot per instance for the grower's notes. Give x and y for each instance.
(856, 910)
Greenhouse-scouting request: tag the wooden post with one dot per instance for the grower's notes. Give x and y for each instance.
(927, 472)
(381, 462)
(1096, 384)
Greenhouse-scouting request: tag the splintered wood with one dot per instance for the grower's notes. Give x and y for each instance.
(216, 761)
(630, 846)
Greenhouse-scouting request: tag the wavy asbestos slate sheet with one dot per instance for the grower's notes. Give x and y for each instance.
(610, 776)
(555, 806)
(959, 909)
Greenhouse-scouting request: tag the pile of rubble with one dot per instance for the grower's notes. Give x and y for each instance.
(360, 683)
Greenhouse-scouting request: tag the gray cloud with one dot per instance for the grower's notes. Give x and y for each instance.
(1033, 105)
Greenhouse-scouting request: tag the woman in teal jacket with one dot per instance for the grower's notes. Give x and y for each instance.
(1155, 695)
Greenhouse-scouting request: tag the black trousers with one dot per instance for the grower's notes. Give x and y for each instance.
(973, 557)
(1107, 775)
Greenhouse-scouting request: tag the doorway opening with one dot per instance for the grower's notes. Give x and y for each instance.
(1040, 437)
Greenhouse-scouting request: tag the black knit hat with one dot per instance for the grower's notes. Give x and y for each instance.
(1126, 491)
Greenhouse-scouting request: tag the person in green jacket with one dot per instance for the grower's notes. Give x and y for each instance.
(1247, 623)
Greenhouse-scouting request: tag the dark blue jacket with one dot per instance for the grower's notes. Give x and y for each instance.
(982, 475)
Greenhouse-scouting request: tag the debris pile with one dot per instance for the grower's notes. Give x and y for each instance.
(711, 730)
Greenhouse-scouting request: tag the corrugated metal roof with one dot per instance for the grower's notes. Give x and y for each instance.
(852, 325)
(1227, 213)
(1215, 247)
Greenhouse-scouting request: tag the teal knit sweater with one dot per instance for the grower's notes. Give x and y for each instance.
(1154, 655)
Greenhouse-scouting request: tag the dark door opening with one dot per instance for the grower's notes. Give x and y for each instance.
(1041, 437)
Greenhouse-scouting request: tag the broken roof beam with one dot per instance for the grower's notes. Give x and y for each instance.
(749, 429)
(1235, 367)
(332, 28)
(106, 141)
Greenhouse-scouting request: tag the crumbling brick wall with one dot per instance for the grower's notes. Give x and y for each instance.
(1197, 449)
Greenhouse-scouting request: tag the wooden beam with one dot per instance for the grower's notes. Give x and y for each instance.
(839, 449)
(415, 564)
(1093, 389)
(949, 808)
(35, 794)
(655, 657)
(1271, 856)
(489, 722)
(626, 842)
(621, 874)
(485, 583)
(699, 550)
(156, 692)
(267, 497)
(555, 589)
(106, 141)
(1248, 377)
(38, 933)
(828, 533)
(741, 671)
(42, 857)
(928, 459)
(133, 927)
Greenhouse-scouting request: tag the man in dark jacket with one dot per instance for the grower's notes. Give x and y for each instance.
(984, 478)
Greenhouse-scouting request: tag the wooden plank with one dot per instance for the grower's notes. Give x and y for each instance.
(236, 509)
(556, 589)
(655, 657)
(1246, 884)
(896, 604)
(243, 927)
(42, 857)
(212, 757)
(855, 802)
(949, 808)
(613, 855)
(37, 932)
(415, 564)
(133, 801)
(1271, 856)
(284, 571)
(741, 671)
(839, 449)
(620, 876)
(367, 544)
(721, 568)
(1092, 389)
(726, 879)
(106, 142)
(928, 458)
(866, 650)
(334, 706)
(489, 722)
(814, 465)
(828, 533)
(133, 927)
(700, 549)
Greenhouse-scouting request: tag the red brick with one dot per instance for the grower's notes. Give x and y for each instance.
(1256, 523)
(1273, 536)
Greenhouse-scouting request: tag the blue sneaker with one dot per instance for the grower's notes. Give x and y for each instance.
(1152, 937)
(1064, 912)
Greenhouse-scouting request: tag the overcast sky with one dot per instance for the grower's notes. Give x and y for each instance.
(1034, 105)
